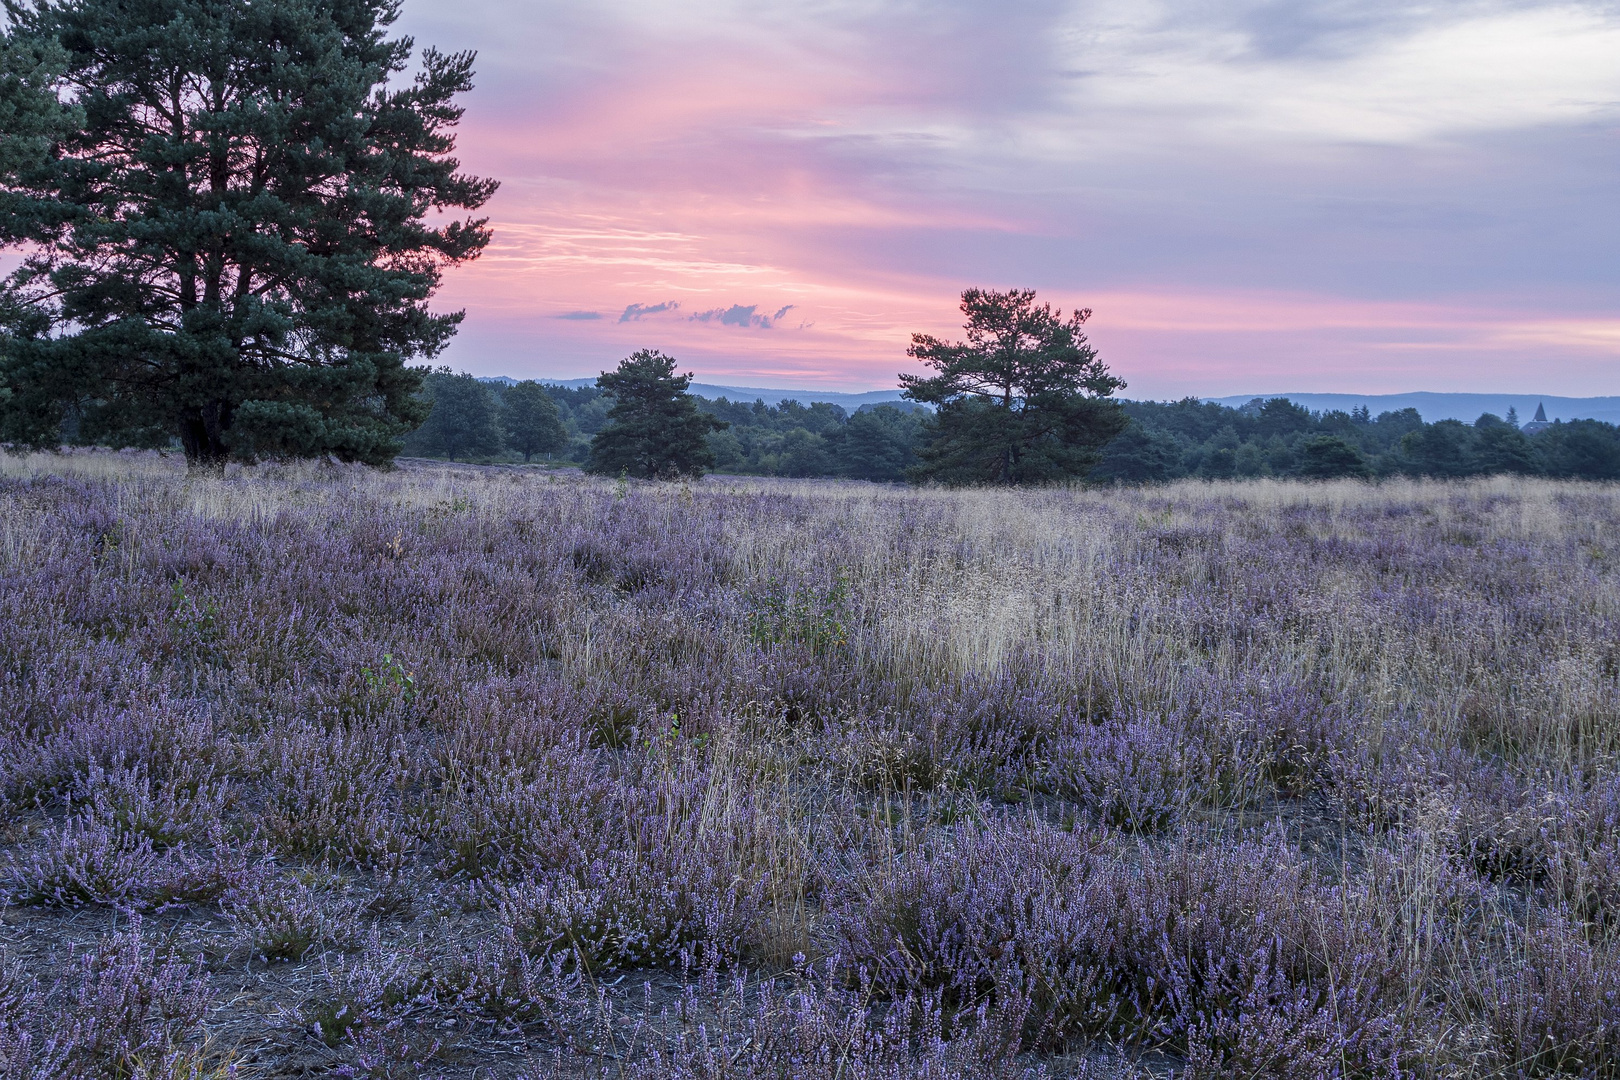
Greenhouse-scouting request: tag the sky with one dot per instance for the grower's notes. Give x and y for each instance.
(1250, 195)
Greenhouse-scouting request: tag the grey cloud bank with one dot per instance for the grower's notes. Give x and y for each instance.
(636, 312)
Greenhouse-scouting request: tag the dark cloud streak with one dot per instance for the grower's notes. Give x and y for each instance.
(637, 312)
(742, 315)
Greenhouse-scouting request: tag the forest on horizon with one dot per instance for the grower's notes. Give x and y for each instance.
(1164, 441)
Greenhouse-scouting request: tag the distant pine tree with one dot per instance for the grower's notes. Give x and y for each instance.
(1023, 400)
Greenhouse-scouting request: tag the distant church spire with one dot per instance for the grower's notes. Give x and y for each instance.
(1539, 423)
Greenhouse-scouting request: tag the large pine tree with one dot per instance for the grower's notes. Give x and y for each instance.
(224, 206)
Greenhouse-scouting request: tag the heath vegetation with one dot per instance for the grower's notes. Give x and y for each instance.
(311, 770)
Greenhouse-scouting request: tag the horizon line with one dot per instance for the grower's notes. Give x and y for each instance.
(699, 380)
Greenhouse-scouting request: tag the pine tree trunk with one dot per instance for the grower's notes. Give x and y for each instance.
(202, 435)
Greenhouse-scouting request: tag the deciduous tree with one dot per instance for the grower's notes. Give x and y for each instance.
(878, 444)
(1138, 455)
(1328, 457)
(1500, 447)
(463, 420)
(1438, 449)
(224, 206)
(532, 420)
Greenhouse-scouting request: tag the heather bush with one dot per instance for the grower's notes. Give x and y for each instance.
(959, 917)
(52, 756)
(505, 816)
(500, 981)
(87, 861)
(990, 731)
(625, 913)
(812, 1028)
(81, 862)
(130, 1011)
(1129, 773)
(24, 1055)
(371, 988)
(336, 795)
(1202, 949)
(1554, 1006)
(190, 804)
(281, 917)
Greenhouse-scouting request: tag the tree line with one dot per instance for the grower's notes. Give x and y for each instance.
(493, 421)
(1024, 399)
(489, 422)
(1275, 437)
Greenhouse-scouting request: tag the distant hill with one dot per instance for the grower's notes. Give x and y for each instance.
(850, 402)
(1467, 407)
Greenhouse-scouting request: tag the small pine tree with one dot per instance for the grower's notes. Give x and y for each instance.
(655, 429)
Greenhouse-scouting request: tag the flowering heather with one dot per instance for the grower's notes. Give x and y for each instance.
(506, 773)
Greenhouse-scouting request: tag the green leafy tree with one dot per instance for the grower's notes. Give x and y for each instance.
(227, 240)
(1442, 448)
(655, 430)
(1139, 455)
(1583, 449)
(1500, 447)
(1329, 457)
(1024, 399)
(463, 421)
(804, 453)
(532, 420)
(878, 444)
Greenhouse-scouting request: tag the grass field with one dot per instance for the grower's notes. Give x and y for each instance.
(501, 773)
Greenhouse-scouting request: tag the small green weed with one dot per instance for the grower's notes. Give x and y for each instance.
(818, 618)
(666, 741)
(195, 621)
(390, 679)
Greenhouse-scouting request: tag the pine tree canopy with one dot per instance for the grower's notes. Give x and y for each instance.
(1023, 400)
(224, 210)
